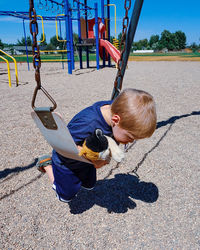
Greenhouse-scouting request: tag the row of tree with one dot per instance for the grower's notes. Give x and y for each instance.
(168, 40)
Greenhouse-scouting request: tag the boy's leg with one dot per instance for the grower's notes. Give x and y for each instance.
(87, 175)
(44, 166)
(48, 169)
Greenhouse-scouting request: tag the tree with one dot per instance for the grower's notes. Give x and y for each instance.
(165, 39)
(1, 44)
(141, 44)
(55, 43)
(111, 39)
(50, 47)
(153, 40)
(29, 41)
(44, 43)
(75, 38)
(119, 37)
(173, 43)
(22, 42)
(181, 39)
(194, 47)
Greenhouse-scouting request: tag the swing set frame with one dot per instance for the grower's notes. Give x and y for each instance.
(44, 117)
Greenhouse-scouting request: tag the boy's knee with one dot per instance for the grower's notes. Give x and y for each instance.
(67, 196)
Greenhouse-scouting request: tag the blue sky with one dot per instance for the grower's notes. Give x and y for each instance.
(156, 15)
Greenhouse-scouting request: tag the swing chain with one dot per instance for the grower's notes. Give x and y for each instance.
(35, 47)
(119, 77)
(33, 25)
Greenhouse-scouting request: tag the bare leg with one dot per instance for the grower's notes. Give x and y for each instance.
(49, 172)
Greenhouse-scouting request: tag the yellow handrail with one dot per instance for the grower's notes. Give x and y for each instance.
(43, 35)
(9, 78)
(57, 29)
(115, 17)
(16, 73)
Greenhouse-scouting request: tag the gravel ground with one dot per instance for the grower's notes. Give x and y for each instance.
(158, 211)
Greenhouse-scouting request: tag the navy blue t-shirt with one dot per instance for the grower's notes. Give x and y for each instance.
(81, 126)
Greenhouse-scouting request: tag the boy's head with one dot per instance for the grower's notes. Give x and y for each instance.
(133, 115)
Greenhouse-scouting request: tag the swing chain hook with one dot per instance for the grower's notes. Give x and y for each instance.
(120, 64)
(33, 25)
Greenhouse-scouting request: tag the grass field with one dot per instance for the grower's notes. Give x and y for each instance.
(166, 57)
(179, 56)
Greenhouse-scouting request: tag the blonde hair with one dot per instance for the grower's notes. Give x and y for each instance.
(137, 112)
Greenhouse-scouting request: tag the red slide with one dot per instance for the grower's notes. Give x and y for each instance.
(109, 49)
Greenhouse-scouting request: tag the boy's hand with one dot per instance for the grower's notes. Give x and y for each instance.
(100, 163)
(79, 148)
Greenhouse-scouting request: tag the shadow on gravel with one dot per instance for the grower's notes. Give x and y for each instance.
(13, 172)
(174, 118)
(115, 194)
(4, 173)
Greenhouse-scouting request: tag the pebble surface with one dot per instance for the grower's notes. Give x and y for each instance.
(159, 211)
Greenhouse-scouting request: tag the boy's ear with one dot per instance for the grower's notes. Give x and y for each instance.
(115, 120)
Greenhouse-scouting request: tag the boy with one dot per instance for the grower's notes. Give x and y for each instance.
(131, 116)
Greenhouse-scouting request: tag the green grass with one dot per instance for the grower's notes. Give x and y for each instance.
(23, 58)
(92, 57)
(196, 54)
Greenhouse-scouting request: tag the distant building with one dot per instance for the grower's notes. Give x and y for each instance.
(21, 50)
(143, 51)
(187, 50)
(8, 50)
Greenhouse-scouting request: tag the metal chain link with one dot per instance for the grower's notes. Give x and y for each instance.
(127, 6)
(36, 56)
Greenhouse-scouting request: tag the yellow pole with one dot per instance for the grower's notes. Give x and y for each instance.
(16, 72)
(115, 17)
(57, 29)
(8, 67)
(43, 35)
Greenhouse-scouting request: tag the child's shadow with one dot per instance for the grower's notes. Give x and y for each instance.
(115, 194)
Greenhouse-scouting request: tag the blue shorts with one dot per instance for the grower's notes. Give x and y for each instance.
(67, 182)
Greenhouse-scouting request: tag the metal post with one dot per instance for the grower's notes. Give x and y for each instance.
(86, 21)
(103, 21)
(79, 35)
(97, 34)
(72, 42)
(61, 39)
(108, 16)
(67, 26)
(129, 40)
(26, 45)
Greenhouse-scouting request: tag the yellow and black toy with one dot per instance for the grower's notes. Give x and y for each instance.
(101, 147)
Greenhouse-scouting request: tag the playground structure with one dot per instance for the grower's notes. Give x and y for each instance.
(92, 32)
